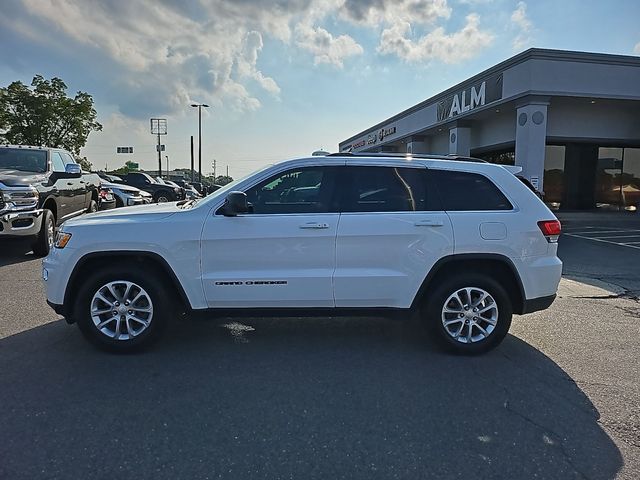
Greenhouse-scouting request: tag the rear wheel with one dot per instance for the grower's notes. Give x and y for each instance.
(121, 309)
(43, 242)
(468, 313)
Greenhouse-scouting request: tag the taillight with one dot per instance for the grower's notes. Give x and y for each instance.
(551, 229)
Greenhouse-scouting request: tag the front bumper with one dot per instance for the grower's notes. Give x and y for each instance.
(20, 224)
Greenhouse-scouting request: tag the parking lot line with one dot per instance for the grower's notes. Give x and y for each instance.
(619, 236)
(628, 245)
(598, 232)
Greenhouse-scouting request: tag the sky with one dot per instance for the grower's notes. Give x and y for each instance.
(282, 77)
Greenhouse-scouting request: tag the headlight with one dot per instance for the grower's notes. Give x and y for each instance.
(62, 238)
(21, 197)
(176, 189)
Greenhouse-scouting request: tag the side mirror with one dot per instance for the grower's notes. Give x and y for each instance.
(235, 203)
(72, 170)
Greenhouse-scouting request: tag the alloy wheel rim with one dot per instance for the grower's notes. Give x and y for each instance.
(121, 310)
(51, 234)
(469, 315)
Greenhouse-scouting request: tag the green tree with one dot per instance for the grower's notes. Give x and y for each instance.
(45, 115)
(84, 163)
(223, 180)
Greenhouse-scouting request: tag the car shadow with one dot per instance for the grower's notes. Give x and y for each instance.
(15, 250)
(292, 398)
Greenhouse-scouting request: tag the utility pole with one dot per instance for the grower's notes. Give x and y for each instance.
(227, 170)
(214, 169)
(167, 157)
(159, 156)
(199, 106)
(192, 158)
(159, 127)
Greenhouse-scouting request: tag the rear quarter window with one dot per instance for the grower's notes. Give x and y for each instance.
(468, 191)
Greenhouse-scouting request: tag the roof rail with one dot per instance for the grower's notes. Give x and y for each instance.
(459, 158)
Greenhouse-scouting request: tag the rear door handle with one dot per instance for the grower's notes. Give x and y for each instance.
(429, 223)
(315, 225)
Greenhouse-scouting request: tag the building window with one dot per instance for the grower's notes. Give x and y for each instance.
(553, 182)
(502, 157)
(608, 178)
(631, 179)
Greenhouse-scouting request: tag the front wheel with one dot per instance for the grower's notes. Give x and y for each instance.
(163, 197)
(121, 309)
(43, 242)
(468, 313)
(93, 206)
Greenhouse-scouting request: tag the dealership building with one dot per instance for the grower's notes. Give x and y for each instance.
(571, 120)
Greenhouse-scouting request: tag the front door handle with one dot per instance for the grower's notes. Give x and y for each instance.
(315, 225)
(429, 223)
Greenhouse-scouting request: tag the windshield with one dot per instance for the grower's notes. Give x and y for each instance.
(24, 160)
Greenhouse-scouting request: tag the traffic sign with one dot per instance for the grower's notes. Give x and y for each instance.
(124, 149)
(159, 148)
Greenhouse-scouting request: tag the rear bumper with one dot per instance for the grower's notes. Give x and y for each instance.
(536, 304)
(20, 224)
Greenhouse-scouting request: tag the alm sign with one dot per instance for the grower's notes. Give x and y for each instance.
(479, 94)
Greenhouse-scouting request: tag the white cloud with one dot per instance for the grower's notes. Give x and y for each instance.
(436, 45)
(401, 18)
(524, 26)
(207, 51)
(324, 46)
(636, 49)
(246, 63)
(375, 12)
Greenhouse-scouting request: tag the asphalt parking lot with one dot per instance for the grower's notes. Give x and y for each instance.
(333, 398)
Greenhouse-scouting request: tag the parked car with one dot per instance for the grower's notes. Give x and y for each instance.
(190, 190)
(126, 195)
(460, 244)
(106, 200)
(160, 192)
(40, 188)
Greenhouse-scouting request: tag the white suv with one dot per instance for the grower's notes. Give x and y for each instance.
(461, 243)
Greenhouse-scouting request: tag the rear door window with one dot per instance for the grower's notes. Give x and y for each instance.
(466, 191)
(386, 189)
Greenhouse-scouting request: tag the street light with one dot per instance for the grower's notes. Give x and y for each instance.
(199, 106)
(167, 157)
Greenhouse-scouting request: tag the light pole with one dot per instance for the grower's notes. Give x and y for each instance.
(199, 106)
(167, 157)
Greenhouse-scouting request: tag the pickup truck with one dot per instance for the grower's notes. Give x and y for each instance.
(161, 192)
(40, 188)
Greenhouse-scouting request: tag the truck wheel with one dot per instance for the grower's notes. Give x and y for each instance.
(93, 206)
(121, 309)
(43, 242)
(468, 313)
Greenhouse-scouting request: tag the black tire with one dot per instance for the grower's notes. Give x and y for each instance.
(119, 202)
(43, 242)
(163, 196)
(93, 206)
(432, 314)
(152, 285)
